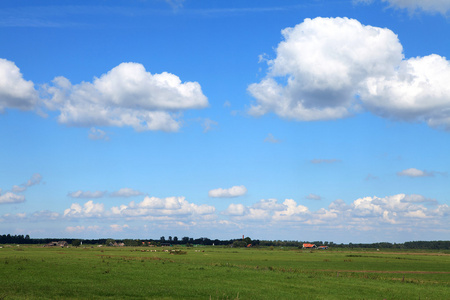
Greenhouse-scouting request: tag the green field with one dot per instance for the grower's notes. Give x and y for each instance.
(33, 272)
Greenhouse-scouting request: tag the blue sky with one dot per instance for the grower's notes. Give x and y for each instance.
(291, 120)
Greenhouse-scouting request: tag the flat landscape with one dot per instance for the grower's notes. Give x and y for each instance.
(91, 272)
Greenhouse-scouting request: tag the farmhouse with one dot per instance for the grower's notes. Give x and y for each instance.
(57, 244)
(309, 246)
(323, 247)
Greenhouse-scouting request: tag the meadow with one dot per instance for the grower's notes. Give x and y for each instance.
(36, 272)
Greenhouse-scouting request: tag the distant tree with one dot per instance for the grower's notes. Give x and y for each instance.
(162, 239)
(170, 238)
(128, 242)
(185, 240)
(175, 239)
(109, 242)
(76, 243)
(239, 243)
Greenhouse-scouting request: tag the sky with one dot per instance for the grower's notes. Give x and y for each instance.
(278, 120)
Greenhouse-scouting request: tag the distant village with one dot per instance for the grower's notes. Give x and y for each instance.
(63, 244)
(6, 239)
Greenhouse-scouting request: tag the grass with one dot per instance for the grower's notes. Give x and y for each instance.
(221, 273)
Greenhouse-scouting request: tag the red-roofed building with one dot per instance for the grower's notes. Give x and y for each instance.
(309, 246)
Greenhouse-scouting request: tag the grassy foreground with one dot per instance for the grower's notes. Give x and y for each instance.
(32, 272)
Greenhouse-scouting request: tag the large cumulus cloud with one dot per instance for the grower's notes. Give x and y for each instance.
(127, 95)
(331, 68)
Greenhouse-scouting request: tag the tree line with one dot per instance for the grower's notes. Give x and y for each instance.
(188, 241)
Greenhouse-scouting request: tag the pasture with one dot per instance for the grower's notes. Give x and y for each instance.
(33, 272)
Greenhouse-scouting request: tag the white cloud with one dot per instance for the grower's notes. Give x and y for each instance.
(325, 161)
(269, 210)
(323, 60)
(292, 212)
(45, 215)
(398, 212)
(271, 139)
(153, 208)
(176, 4)
(442, 6)
(209, 125)
(413, 172)
(34, 180)
(432, 6)
(269, 204)
(331, 68)
(15, 92)
(231, 192)
(89, 209)
(75, 228)
(10, 218)
(235, 210)
(96, 134)
(127, 95)
(86, 194)
(13, 197)
(313, 197)
(418, 199)
(118, 228)
(370, 177)
(239, 212)
(79, 229)
(417, 91)
(126, 192)
(10, 197)
(18, 189)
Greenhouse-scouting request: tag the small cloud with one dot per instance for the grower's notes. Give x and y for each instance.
(89, 209)
(429, 6)
(209, 125)
(34, 180)
(413, 172)
(18, 189)
(176, 4)
(414, 198)
(125, 192)
(96, 134)
(9, 197)
(87, 194)
(45, 215)
(325, 161)
(313, 197)
(227, 104)
(271, 139)
(75, 228)
(118, 228)
(370, 177)
(263, 58)
(232, 192)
